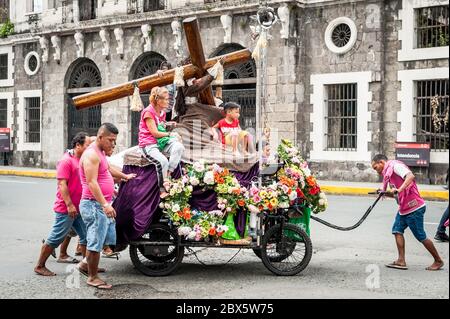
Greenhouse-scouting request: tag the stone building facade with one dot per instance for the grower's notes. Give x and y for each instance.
(345, 79)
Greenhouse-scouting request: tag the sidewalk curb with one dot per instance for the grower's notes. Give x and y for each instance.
(27, 173)
(362, 191)
(328, 189)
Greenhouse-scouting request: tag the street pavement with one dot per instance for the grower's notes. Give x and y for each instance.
(344, 264)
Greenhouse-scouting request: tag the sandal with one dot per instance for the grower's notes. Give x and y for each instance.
(100, 285)
(111, 254)
(396, 266)
(68, 260)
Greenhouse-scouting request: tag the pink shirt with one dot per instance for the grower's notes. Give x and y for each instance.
(67, 169)
(409, 200)
(104, 178)
(145, 137)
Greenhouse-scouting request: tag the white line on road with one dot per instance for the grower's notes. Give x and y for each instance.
(18, 182)
(431, 223)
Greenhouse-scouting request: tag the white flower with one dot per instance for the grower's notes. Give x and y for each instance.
(217, 168)
(184, 231)
(224, 201)
(221, 228)
(194, 181)
(285, 188)
(167, 205)
(321, 202)
(192, 235)
(209, 178)
(199, 167)
(161, 205)
(176, 208)
(221, 206)
(172, 192)
(228, 209)
(322, 195)
(307, 172)
(292, 195)
(190, 188)
(253, 209)
(295, 160)
(185, 179)
(283, 205)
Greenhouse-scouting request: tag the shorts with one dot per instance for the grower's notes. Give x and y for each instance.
(101, 230)
(412, 220)
(62, 226)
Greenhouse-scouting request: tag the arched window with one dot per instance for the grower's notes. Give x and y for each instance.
(240, 85)
(147, 64)
(83, 77)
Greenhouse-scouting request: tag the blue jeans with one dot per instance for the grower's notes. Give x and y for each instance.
(101, 230)
(414, 221)
(441, 227)
(61, 228)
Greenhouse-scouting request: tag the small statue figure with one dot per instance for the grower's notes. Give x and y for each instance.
(104, 36)
(79, 41)
(227, 24)
(284, 15)
(176, 31)
(146, 29)
(118, 32)
(56, 44)
(43, 42)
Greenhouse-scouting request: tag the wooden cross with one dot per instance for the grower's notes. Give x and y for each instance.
(197, 69)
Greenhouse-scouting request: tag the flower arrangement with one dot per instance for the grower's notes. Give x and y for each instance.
(297, 168)
(295, 181)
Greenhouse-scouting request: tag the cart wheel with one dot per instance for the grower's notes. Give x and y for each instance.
(286, 252)
(157, 260)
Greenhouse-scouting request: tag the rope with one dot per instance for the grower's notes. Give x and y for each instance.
(363, 218)
(192, 252)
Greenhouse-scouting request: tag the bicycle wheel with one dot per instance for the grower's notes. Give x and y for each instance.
(284, 254)
(157, 259)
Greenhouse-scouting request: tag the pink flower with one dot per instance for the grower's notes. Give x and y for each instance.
(256, 198)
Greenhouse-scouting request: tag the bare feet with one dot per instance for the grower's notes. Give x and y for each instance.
(83, 267)
(436, 266)
(43, 271)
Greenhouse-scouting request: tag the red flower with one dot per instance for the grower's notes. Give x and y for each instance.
(300, 193)
(212, 231)
(315, 190)
(241, 202)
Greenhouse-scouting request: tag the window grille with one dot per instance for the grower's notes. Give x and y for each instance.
(432, 113)
(33, 120)
(3, 66)
(341, 118)
(3, 113)
(432, 27)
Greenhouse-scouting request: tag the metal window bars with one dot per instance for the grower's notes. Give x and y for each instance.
(3, 113)
(431, 27)
(341, 117)
(432, 104)
(32, 120)
(139, 6)
(3, 66)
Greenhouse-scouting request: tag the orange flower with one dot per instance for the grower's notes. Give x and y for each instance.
(270, 206)
(241, 202)
(237, 191)
(212, 231)
(311, 181)
(226, 171)
(261, 207)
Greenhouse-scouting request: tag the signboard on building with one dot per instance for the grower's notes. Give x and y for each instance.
(413, 153)
(5, 141)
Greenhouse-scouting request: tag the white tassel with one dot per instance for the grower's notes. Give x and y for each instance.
(178, 78)
(136, 101)
(219, 77)
(262, 43)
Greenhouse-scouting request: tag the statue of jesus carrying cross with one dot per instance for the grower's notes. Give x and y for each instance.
(195, 116)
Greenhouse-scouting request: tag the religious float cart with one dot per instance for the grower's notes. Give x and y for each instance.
(211, 206)
(266, 209)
